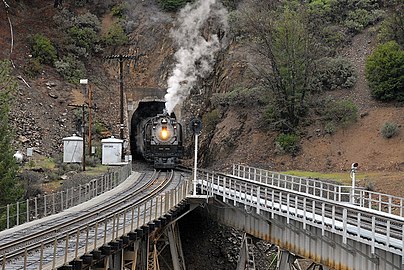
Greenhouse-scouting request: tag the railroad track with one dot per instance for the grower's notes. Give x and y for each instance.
(37, 246)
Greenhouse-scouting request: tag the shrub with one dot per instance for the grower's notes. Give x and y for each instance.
(392, 27)
(333, 36)
(334, 73)
(118, 10)
(85, 38)
(330, 128)
(88, 20)
(240, 96)
(289, 143)
(385, 72)
(172, 5)
(33, 67)
(43, 50)
(99, 128)
(64, 19)
(116, 35)
(358, 19)
(343, 112)
(70, 68)
(389, 130)
(210, 120)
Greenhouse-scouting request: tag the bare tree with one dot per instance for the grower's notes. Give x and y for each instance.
(284, 56)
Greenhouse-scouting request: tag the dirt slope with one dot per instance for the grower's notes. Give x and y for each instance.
(42, 117)
(361, 142)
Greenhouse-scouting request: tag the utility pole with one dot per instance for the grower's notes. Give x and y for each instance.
(90, 120)
(83, 133)
(121, 58)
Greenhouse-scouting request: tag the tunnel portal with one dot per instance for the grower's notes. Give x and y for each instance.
(144, 110)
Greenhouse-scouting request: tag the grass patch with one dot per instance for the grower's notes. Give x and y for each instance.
(97, 170)
(342, 178)
(44, 162)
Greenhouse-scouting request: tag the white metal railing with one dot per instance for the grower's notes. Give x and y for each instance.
(95, 235)
(53, 203)
(363, 198)
(376, 229)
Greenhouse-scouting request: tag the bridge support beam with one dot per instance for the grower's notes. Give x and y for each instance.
(287, 261)
(246, 260)
(177, 255)
(130, 255)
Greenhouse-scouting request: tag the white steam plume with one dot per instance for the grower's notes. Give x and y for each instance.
(196, 54)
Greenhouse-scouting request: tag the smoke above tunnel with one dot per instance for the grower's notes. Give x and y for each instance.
(200, 27)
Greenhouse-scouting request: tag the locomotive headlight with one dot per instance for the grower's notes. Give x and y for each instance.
(164, 133)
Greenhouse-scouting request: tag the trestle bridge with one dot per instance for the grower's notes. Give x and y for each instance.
(125, 219)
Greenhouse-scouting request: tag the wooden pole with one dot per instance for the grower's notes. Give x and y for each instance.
(89, 118)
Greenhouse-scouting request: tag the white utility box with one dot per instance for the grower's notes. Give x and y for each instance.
(111, 151)
(72, 149)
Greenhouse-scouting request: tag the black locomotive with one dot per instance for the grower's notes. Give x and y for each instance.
(161, 141)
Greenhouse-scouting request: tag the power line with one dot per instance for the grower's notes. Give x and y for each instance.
(121, 58)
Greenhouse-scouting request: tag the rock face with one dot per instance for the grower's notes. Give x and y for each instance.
(208, 245)
(40, 118)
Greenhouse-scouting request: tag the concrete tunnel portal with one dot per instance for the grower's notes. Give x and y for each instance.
(144, 110)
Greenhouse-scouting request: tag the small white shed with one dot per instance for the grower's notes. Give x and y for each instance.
(73, 149)
(111, 151)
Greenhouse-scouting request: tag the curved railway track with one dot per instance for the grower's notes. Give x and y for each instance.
(19, 250)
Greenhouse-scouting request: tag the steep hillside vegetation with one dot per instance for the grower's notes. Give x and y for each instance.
(317, 114)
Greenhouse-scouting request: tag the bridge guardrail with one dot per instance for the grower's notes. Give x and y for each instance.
(93, 236)
(53, 203)
(363, 198)
(119, 224)
(376, 230)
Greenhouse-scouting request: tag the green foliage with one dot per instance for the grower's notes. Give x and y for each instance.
(288, 143)
(82, 32)
(335, 21)
(43, 50)
(336, 11)
(33, 67)
(359, 18)
(285, 55)
(99, 128)
(71, 69)
(240, 96)
(340, 113)
(231, 4)
(173, 5)
(330, 128)
(88, 20)
(83, 37)
(385, 72)
(10, 190)
(393, 26)
(116, 35)
(210, 120)
(389, 129)
(119, 10)
(334, 73)
(333, 36)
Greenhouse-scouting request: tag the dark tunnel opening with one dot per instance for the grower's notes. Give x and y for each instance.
(145, 110)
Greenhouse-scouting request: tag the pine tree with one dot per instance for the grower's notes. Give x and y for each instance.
(10, 190)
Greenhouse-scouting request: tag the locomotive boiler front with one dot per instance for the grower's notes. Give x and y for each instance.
(162, 141)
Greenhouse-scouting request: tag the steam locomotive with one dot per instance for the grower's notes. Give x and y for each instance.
(161, 141)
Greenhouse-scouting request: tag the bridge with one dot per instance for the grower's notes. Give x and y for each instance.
(107, 225)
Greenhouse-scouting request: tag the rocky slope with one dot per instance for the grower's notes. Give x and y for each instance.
(42, 116)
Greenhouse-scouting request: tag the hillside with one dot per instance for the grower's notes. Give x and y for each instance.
(381, 160)
(41, 115)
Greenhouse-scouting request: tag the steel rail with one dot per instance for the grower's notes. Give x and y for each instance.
(68, 227)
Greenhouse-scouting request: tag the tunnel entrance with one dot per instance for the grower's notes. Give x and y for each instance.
(145, 110)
